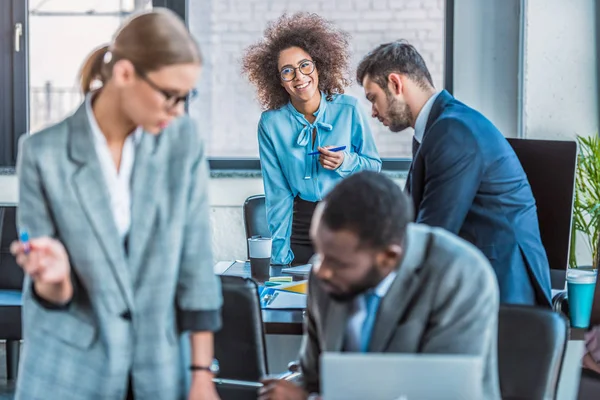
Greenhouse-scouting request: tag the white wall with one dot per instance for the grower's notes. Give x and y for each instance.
(486, 59)
(560, 96)
(559, 75)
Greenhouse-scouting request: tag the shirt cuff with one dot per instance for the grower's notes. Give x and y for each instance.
(199, 320)
(48, 304)
(342, 170)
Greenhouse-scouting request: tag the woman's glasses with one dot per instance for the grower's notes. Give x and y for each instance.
(288, 73)
(171, 99)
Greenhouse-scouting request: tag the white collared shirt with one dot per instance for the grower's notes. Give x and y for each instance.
(359, 314)
(421, 121)
(118, 182)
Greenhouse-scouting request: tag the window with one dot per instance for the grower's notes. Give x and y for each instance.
(38, 84)
(226, 109)
(62, 33)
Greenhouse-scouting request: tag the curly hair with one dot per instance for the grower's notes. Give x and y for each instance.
(326, 44)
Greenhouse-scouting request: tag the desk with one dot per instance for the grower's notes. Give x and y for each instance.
(277, 322)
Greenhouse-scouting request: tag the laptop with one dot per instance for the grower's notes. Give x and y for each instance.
(385, 376)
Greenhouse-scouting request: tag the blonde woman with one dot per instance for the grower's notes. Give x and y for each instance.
(114, 199)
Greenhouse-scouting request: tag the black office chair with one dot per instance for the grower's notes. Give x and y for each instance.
(240, 344)
(11, 283)
(550, 166)
(589, 385)
(531, 347)
(255, 218)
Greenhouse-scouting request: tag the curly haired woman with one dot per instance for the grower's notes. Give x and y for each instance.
(300, 70)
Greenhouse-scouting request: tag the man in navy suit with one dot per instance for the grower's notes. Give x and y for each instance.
(464, 177)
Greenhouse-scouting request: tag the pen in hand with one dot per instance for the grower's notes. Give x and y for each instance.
(333, 150)
(24, 238)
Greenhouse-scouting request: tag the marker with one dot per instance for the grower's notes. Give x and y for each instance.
(24, 238)
(335, 149)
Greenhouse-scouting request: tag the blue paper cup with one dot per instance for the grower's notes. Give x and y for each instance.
(580, 292)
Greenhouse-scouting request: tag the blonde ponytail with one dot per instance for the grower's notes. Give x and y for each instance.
(92, 69)
(149, 40)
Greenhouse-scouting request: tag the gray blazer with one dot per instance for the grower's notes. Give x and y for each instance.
(128, 307)
(443, 300)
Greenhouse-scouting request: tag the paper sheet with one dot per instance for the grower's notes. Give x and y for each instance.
(271, 298)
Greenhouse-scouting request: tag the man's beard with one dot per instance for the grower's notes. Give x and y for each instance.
(370, 281)
(398, 113)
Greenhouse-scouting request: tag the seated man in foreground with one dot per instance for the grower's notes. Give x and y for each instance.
(380, 284)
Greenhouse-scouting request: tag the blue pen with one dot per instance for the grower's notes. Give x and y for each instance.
(335, 149)
(24, 238)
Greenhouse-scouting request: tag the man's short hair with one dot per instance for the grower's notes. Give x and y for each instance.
(370, 205)
(396, 57)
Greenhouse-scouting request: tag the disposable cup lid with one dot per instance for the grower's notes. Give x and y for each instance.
(581, 277)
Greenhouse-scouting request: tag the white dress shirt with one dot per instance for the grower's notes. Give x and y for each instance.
(118, 182)
(421, 122)
(359, 314)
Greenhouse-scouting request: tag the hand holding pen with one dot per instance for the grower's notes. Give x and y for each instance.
(331, 157)
(46, 261)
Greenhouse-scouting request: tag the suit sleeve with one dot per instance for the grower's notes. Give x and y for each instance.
(310, 351)
(464, 314)
(454, 168)
(33, 213)
(199, 297)
(364, 155)
(279, 199)
(465, 309)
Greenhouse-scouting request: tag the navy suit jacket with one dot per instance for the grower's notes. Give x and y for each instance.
(466, 178)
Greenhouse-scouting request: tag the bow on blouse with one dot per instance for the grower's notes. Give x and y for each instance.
(305, 136)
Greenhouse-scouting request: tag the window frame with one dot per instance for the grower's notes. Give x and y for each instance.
(14, 84)
(13, 80)
(396, 164)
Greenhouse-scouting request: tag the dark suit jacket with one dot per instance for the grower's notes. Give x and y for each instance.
(466, 178)
(444, 300)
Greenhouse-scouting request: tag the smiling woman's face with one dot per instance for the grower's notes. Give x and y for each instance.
(298, 74)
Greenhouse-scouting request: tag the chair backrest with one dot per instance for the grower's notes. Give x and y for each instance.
(255, 217)
(240, 344)
(550, 166)
(531, 347)
(11, 275)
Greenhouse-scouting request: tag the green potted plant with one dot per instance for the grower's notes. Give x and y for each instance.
(586, 206)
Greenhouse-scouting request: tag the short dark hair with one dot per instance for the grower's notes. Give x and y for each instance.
(395, 57)
(370, 205)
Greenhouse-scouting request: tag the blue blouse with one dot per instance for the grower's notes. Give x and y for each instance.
(284, 139)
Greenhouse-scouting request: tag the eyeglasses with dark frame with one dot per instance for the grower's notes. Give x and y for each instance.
(288, 73)
(171, 99)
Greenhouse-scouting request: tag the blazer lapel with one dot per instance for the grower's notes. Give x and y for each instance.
(414, 184)
(94, 198)
(335, 325)
(394, 305)
(143, 198)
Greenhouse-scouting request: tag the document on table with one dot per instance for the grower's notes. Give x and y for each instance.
(271, 298)
(301, 270)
